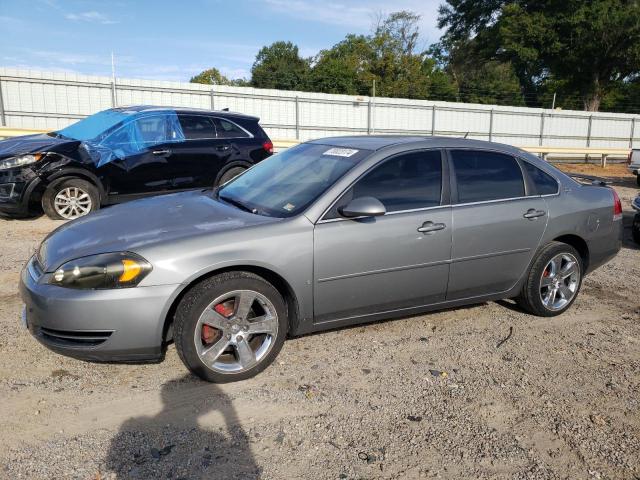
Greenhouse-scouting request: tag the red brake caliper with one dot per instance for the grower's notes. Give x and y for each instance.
(211, 335)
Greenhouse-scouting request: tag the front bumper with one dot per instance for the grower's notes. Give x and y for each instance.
(120, 325)
(16, 189)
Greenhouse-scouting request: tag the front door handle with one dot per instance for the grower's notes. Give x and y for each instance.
(162, 152)
(532, 214)
(430, 227)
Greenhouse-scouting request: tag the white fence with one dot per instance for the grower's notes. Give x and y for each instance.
(45, 100)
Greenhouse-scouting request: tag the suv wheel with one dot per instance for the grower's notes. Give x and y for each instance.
(230, 327)
(553, 282)
(69, 199)
(230, 175)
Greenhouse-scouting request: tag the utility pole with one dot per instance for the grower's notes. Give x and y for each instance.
(114, 97)
(553, 103)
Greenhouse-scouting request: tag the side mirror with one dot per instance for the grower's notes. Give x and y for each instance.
(363, 207)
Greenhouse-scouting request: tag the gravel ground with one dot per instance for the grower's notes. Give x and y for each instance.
(431, 396)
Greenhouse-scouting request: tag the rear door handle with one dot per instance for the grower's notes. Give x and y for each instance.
(532, 214)
(430, 227)
(223, 148)
(162, 152)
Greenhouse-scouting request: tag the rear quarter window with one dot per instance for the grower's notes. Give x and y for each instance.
(544, 183)
(228, 129)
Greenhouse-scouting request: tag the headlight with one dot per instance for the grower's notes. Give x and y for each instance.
(107, 270)
(20, 161)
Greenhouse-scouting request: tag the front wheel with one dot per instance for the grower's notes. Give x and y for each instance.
(69, 199)
(553, 282)
(230, 327)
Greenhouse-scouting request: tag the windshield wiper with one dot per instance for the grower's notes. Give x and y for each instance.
(236, 203)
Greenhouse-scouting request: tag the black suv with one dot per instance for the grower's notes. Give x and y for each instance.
(126, 153)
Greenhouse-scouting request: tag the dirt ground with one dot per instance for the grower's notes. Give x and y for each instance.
(558, 399)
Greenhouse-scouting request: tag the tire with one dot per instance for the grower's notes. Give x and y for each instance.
(86, 195)
(535, 297)
(230, 174)
(638, 180)
(635, 228)
(216, 350)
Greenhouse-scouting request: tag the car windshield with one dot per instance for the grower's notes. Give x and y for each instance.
(95, 125)
(287, 183)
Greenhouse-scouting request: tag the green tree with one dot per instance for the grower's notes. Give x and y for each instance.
(212, 76)
(591, 47)
(280, 66)
(344, 68)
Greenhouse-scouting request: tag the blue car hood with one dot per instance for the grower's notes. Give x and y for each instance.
(141, 223)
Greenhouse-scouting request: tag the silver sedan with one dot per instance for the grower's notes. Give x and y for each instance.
(330, 233)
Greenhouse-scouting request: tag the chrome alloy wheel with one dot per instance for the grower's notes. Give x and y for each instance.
(236, 331)
(559, 282)
(72, 202)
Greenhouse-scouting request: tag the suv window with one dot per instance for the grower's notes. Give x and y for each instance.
(545, 184)
(197, 127)
(137, 135)
(227, 129)
(408, 181)
(482, 176)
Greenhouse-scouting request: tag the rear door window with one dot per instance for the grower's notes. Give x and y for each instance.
(227, 129)
(482, 176)
(197, 127)
(544, 183)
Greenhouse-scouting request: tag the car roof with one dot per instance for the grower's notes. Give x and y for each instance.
(199, 111)
(377, 142)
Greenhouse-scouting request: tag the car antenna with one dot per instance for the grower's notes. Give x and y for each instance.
(466, 135)
(226, 109)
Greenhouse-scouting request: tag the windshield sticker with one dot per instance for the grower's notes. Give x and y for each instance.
(289, 207)
(341, 152)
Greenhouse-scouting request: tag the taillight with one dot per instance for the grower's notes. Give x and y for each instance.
(617, 206)
(268, 146)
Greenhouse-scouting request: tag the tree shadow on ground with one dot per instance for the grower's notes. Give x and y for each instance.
(172, 444)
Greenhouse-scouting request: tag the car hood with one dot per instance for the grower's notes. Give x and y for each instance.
(142, 223)
(34, 144)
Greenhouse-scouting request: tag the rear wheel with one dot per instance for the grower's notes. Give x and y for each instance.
(553, 282)
(230, 175)
(69, 199)
(230, 327)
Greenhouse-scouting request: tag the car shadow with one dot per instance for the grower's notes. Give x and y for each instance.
(172, 444)
(627, 236)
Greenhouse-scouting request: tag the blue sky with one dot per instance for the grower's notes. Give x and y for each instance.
(173, 40)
